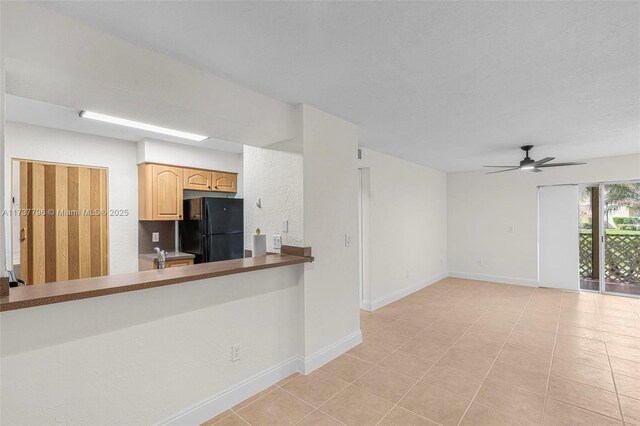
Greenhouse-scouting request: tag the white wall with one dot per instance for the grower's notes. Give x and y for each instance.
(407, 227)
(330, 299)
(274, 177)
(25, 141)
(154, 151)
(135, 358)
(4, 249)
(481, 208)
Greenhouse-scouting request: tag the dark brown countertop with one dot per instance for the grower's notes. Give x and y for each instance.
(64, 291)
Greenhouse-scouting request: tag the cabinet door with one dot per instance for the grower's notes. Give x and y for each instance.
(198, 180)
(224, 182)
(167, 192)
(179, 262)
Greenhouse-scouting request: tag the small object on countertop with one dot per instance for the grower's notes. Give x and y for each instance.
(4, 286)
(259, 244)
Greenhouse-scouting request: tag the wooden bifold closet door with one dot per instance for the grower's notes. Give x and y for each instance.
(63, 222)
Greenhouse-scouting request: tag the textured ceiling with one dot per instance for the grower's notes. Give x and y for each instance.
(452, 85)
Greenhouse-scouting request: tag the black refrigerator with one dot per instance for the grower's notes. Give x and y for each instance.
(212, 229)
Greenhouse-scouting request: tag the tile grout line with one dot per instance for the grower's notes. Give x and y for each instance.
(289, 393)
(236, 413)
(318, 409)
(251, 403)
(553, 352)
(442, 356)
(613, 377)
(348, 383)
(351, 384)
(314, 408)
(495, 359)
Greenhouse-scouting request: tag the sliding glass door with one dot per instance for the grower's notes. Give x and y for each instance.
(607, 259)
(621, 246)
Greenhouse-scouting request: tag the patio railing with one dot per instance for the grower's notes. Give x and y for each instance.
(622, 258)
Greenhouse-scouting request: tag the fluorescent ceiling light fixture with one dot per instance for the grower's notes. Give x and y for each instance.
(526, 168)
(142, 126)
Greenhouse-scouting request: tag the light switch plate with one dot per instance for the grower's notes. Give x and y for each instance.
(155, 237)
(235, 352)
(285, 225)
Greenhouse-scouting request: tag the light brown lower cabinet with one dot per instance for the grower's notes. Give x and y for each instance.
(148, 264)
(63, 222)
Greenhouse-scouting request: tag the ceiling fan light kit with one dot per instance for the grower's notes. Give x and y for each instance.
(529, 164)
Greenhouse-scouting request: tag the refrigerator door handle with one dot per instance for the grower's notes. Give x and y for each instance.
(205, 254)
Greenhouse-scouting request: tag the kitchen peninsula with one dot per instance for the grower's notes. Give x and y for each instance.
(64, 291)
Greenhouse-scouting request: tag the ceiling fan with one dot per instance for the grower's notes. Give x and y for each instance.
(530, 164)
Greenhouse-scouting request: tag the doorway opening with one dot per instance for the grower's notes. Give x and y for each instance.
(363, 235)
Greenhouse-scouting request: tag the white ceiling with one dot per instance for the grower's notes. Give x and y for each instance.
(452, 85)
(29, 111)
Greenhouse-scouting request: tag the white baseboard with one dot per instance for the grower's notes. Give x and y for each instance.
(331, 352)
(494, 278)
(372, 305)
(224, 400)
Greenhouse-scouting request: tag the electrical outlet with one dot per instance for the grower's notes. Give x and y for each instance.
(155, 237)
(235, 352)
(510, 229)
(406, 274)
(479, 262)
(277, 242)
(347, 240)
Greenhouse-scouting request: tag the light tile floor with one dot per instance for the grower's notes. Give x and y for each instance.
(472, 353)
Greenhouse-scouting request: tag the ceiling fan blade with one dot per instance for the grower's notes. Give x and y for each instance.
(561, 164)
(504, 167)
(544, 160)
(505, 170)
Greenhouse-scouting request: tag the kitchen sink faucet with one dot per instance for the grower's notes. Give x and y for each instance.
(162, 257)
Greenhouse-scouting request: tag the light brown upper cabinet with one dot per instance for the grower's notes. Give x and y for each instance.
(159, 192)
(160, 188)
(224, 182)
(197, 180)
